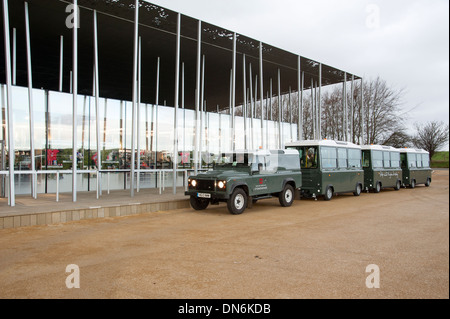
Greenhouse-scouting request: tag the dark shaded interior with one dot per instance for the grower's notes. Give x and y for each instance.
(158, 33)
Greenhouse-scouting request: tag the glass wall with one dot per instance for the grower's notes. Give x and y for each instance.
(53, 140)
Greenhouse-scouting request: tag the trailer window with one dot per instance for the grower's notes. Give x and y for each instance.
(342, 158)
(329, 157)
(412, 160)
(366, 159)
(426, 160)
(419, 160)
(354, 158)
(308, 157)
(387, 159)
(404, 160)
(395, 160)
(377, 159)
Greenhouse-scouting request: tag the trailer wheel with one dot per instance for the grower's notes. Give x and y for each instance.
(398, 186)
(378, 188)
(329, 193)
(358, 190)
(413, 184)
(428, 183)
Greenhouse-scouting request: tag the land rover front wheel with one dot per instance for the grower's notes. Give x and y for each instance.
(199, 203)
(237, 203)
(287, 196)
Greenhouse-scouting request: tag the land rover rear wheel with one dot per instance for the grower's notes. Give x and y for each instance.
(237, 203)
(199, 203)
(287, 196)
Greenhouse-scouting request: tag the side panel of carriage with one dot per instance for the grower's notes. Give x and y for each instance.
(381, 167)
(416, 167)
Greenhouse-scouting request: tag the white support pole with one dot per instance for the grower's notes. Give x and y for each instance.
(202, 104)
(97, 104)
(244, 81)
(57, 186)
(313, 111)
(261, 89)
(362, 112)
(300, 100)
(271, 99)
(290, 114)
(134, 82)
(345, 108)
(138, 115)
(14, 58)
(319, 116)
(11, 150)
(61, 63)
(30, 102)
(233, 95)
(197, 98)
(75, 101)
(252, 109)
(352, 110)
(177, 98)
(280, 109)
(183, 108)
(156, 129)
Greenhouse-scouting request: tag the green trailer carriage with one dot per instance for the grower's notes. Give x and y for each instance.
(416, 167)
(329, 168)
(382, 168)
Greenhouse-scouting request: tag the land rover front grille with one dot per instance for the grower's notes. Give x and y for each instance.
(205, 185)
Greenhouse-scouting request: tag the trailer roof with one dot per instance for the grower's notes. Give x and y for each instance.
(330, 143)
(380, 148)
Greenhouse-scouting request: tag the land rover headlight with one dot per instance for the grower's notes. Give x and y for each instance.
(222, 184)
(193, 182)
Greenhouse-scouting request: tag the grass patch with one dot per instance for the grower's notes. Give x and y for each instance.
(440, 160)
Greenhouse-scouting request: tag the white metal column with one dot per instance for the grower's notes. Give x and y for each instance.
(11, 150)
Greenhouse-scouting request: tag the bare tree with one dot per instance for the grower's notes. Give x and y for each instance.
(382, 105)
(431, 136)
(399, 139)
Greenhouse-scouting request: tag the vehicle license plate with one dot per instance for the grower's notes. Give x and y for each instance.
(202, 195)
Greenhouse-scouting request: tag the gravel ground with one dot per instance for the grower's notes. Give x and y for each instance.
(312, 250)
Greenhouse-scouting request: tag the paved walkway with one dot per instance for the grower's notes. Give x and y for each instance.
(30, 212)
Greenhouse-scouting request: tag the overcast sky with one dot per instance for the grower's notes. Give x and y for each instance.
(405, 42)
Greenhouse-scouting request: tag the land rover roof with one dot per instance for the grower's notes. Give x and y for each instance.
(330, 143)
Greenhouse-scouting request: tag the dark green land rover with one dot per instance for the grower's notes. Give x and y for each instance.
(242, 178)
